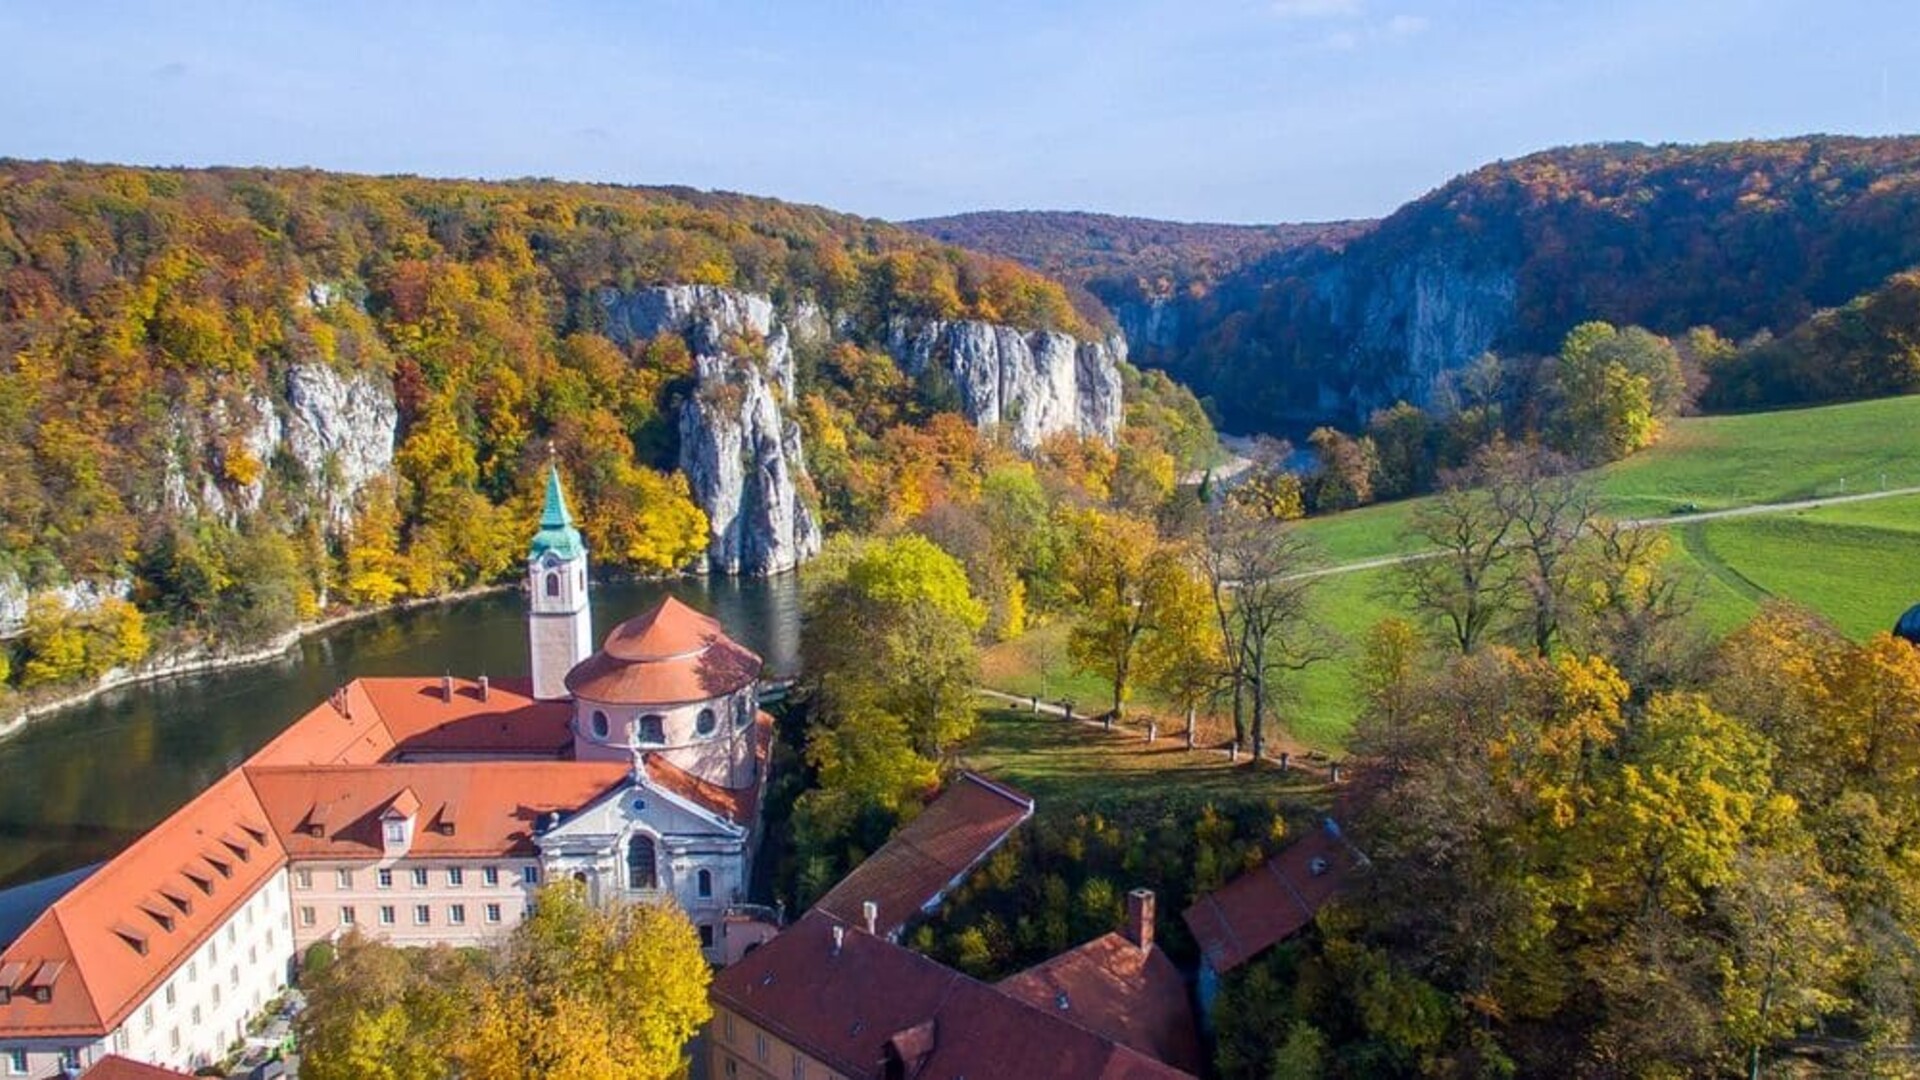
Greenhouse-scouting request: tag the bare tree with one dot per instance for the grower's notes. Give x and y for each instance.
(1256, 574)
(1551, 508)
(1467, 578)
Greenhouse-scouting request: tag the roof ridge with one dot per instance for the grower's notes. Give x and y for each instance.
(1010, 793)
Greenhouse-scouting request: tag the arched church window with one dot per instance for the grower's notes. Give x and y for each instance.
(599, 724)
(553, 584)
(706, 723)
(653, 729)
(643, 864)
(703, 883)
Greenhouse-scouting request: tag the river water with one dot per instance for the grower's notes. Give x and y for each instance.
(79, 785)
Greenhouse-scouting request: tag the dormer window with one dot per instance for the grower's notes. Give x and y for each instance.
(396, 823)
(201, 882)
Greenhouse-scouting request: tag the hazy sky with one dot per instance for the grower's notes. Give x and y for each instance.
(1264, 110)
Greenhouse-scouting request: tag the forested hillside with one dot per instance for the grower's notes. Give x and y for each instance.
(1747, 237)
(1118, 258)
(228, 396)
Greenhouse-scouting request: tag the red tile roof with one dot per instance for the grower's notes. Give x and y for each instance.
(668, 656)
(509, 722)
(845, 1007)
(738, 805)
(1113, 987)
(914, 870)
(105, 945)
(1265, 906)
(463, 809)
(115, 1067)
(372, 719)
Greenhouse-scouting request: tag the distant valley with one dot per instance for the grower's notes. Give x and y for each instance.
(1286, 327)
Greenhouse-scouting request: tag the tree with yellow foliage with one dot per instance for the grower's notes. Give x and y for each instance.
(577, 991)
(589, 993)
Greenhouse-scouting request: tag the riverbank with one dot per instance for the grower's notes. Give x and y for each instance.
(22, 713)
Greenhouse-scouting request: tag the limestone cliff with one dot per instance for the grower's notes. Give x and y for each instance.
(336, 432)
(1035, 382)
(740, 451)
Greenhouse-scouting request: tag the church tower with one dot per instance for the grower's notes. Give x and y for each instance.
(559, 625)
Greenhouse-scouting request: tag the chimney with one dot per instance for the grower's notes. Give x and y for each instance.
(446, 688)
(839, 939)
(870, 912)
(1140, 918)
(483, 688)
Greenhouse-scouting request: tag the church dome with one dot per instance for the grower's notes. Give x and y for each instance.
(1909, 625)
(671, 655)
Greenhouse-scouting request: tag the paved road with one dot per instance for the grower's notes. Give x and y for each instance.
(1637, 523)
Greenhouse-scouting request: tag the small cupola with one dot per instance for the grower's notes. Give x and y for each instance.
(397, 823)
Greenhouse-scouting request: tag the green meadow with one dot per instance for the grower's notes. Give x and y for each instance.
(1857, 564)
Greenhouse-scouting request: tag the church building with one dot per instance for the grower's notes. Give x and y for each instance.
(421, 810)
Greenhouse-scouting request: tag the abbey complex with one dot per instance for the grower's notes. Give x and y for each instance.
(420, 810)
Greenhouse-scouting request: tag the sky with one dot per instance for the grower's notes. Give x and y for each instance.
(1254, 111)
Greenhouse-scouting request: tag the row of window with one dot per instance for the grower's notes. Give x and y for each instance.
(456, 877)
(651, 729)
(388, 915)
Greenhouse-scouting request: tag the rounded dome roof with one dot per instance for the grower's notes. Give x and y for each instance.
(669, 656)
(1909, 625)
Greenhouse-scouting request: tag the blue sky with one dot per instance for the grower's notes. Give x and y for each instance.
(1264, 110)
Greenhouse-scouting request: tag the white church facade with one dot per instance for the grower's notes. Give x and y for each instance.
(422, 811)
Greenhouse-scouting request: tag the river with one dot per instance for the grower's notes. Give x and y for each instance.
(79, 785)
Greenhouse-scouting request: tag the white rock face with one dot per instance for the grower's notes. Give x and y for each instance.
(1035, 382)
(740, 452)
(78, 596)
(341, 429)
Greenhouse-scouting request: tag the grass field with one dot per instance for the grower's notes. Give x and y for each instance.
(1857, 564)
(1072, 768)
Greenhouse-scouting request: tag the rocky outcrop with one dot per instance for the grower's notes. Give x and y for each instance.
(341, 431)
(337, 430)
(740, 452)
(1408, 328)
(76, 596)
(1034, 382)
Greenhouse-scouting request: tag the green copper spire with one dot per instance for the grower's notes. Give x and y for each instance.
(557, 533)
